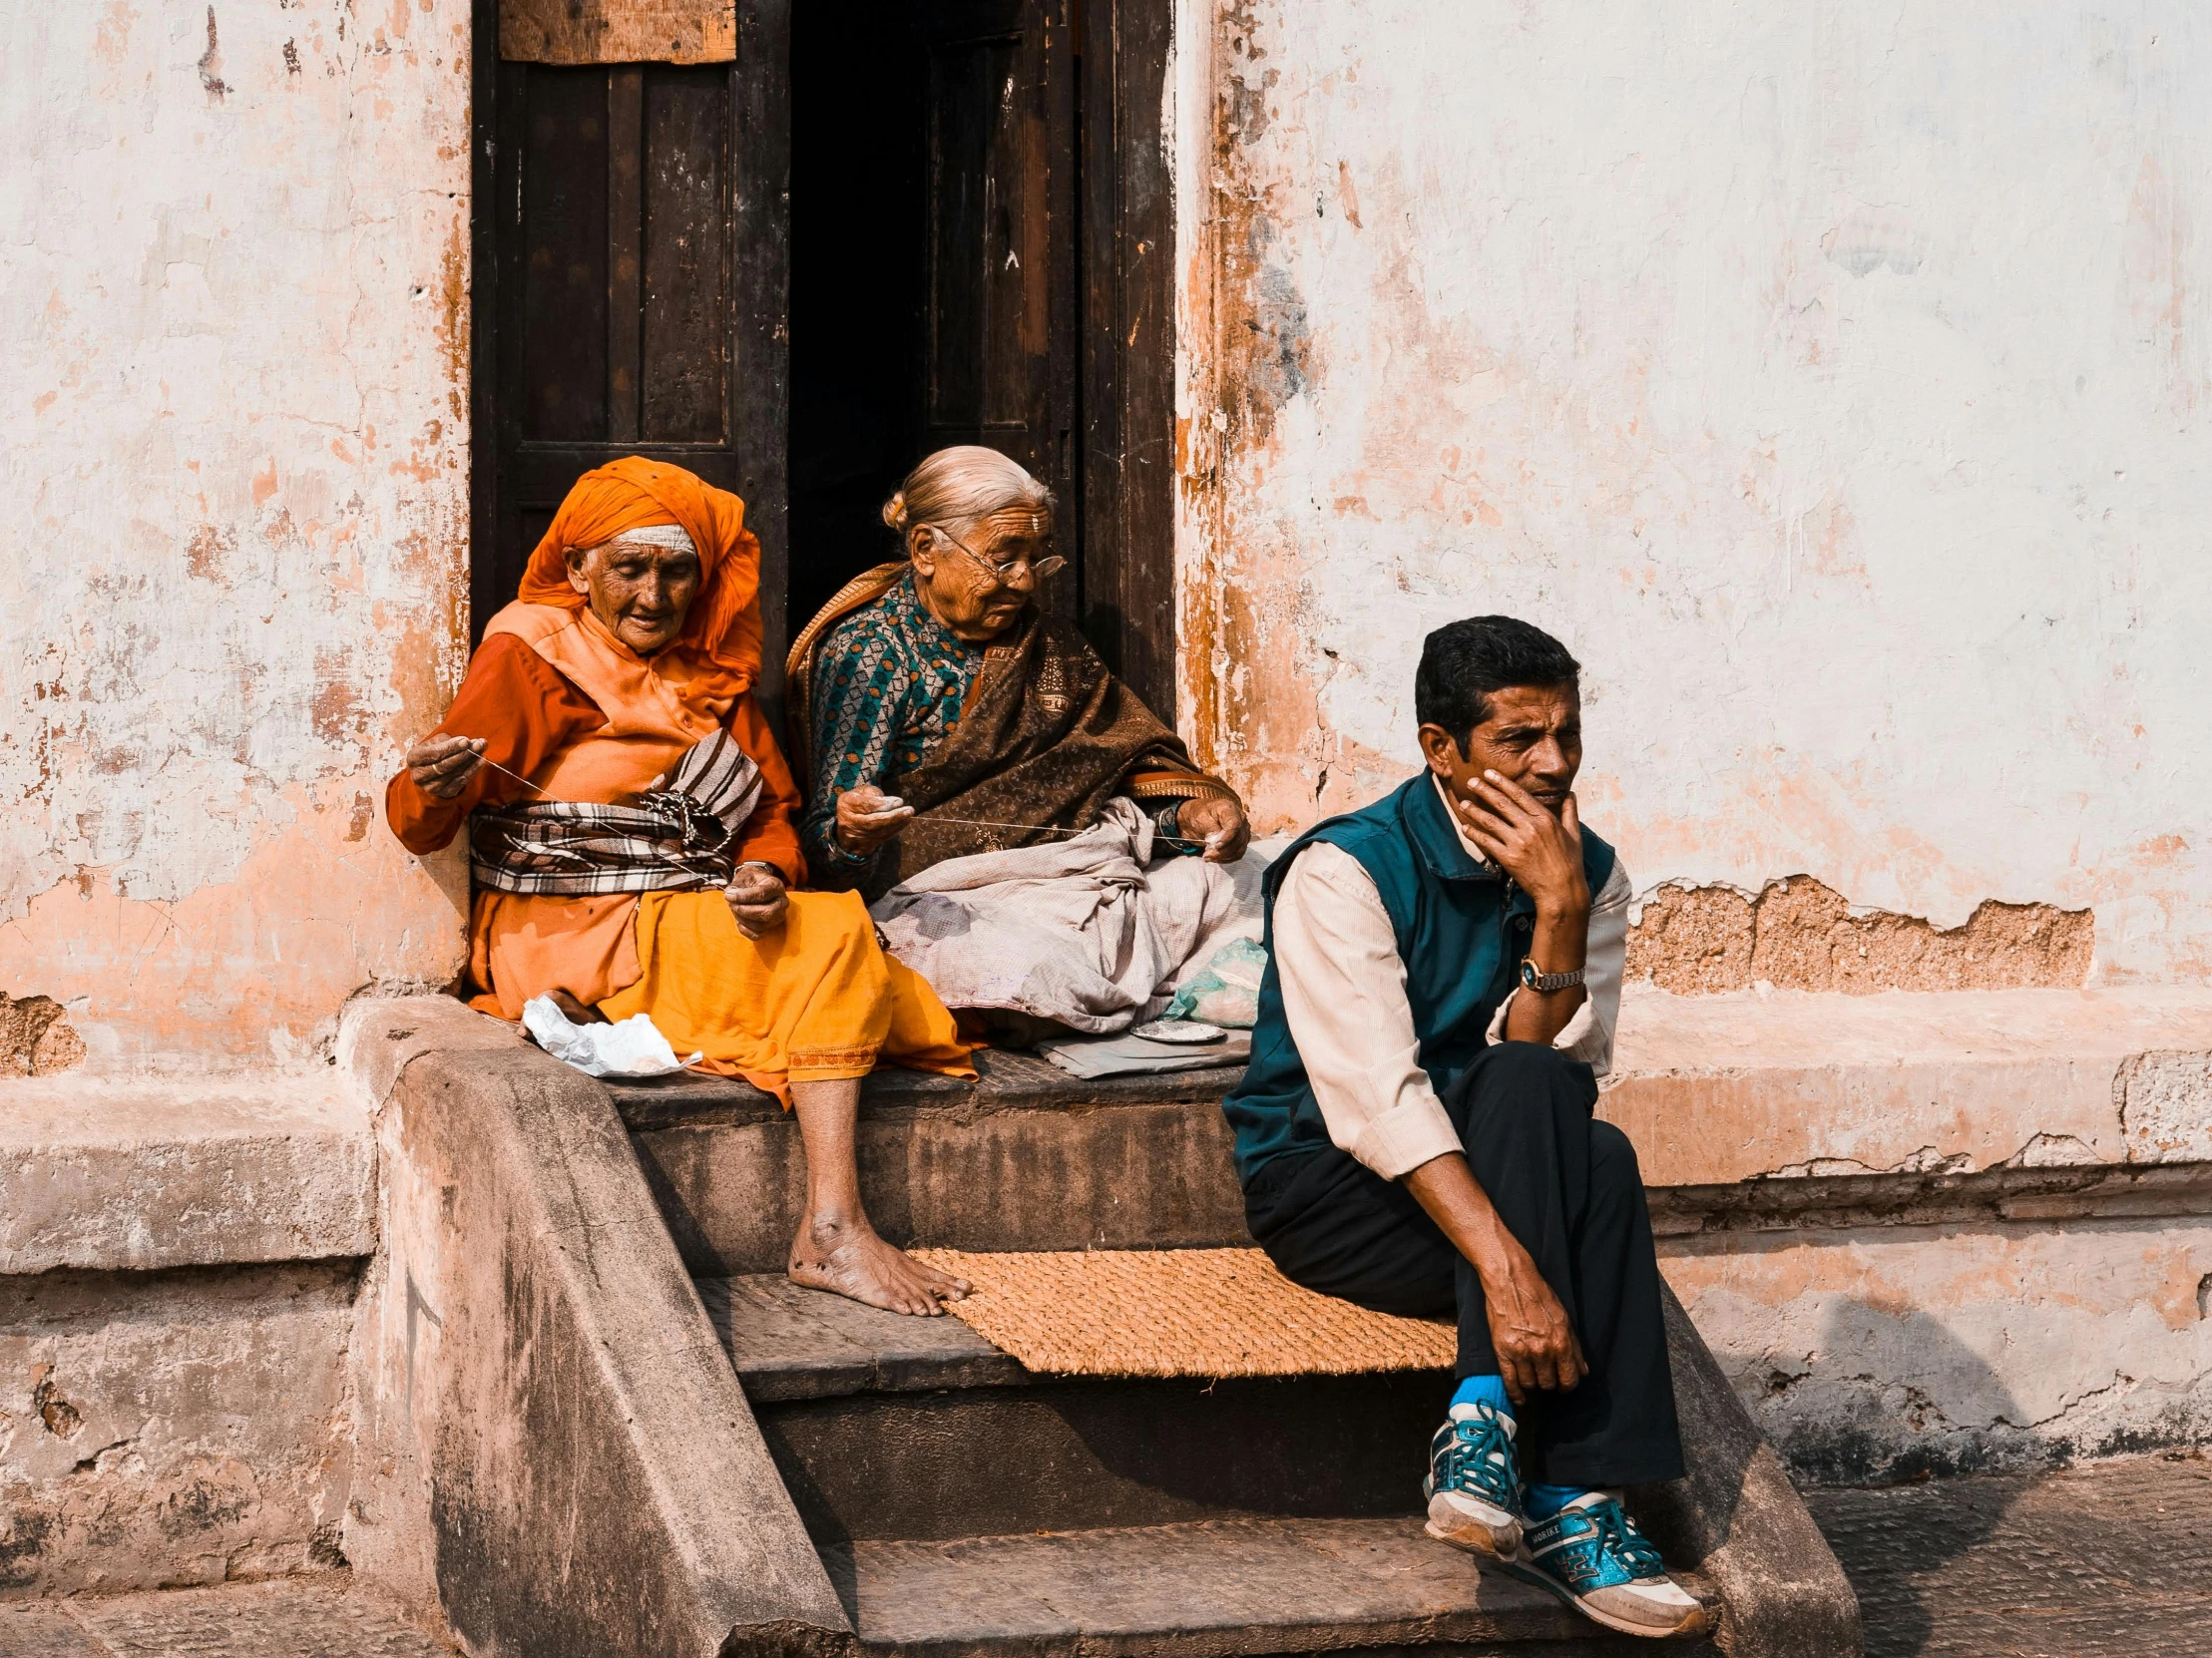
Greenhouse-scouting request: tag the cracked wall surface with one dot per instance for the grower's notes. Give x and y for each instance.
(173, 1428)
(1874, 1356)
(232, 427)
(1823, 375)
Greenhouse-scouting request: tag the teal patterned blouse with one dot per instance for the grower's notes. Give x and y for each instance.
(889, 686)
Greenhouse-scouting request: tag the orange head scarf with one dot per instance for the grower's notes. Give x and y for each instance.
(722, 630)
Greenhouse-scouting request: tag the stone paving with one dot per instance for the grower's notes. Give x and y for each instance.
(2105, 1560)
(320, 1618)
(2108, 1559)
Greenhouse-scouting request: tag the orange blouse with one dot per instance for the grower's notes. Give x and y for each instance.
(561, 701)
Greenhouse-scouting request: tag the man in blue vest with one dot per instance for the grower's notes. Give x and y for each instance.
(1415, 1130)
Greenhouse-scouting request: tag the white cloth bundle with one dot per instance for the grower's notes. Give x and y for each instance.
(1079, 932)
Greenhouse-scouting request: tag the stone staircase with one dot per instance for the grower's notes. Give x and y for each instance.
(513, 1347)
(964, 1504)
(595, 1419)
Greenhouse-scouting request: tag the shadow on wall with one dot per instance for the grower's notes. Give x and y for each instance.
(1870, 1414)
(1869, 1432)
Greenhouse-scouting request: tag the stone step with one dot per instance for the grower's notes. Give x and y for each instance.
(964, 1504)
(179, 1262)
(879, 1423)
(325, 1616)
(1201, 1590)
(1027, 1157)
(1750, 1113)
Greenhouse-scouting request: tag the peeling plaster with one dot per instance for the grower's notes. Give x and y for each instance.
(234, 422)
(2165, 1107)
(1797, 934)
(167, 1429)
(1833, 402)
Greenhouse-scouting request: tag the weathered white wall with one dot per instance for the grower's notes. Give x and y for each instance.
(234, 440)
(1869, 1355)
(1832, 377)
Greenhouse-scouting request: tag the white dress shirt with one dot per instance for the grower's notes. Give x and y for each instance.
(1344, 994)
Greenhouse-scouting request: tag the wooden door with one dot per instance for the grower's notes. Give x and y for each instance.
(1050, 290)
(999, 291)
(631, 283)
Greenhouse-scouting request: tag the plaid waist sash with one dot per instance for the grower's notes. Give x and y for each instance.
(679, 838)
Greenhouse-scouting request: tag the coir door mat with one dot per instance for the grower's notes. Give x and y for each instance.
(1178, 1312)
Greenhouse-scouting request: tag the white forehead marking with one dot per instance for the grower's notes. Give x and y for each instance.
(657, 535)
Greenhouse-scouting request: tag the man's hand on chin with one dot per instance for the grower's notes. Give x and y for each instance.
(757, 900)
(1541, 849)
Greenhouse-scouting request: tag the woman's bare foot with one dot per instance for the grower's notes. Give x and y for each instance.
(851, 1260)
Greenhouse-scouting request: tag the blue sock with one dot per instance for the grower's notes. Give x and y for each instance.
(1546, 1501)
(1484, 1390)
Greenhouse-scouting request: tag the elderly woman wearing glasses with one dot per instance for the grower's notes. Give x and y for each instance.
(945, 714)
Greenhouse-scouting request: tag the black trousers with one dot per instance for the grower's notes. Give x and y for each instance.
(1567, 1186)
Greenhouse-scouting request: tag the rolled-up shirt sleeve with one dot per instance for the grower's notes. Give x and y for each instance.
(1588, 1035)
(1344, 995)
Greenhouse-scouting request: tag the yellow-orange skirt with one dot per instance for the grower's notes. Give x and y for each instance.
(815, 1001)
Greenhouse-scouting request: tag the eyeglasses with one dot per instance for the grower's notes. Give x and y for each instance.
(1013, 571)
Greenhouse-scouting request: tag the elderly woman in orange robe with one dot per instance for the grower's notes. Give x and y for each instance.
(631, 832)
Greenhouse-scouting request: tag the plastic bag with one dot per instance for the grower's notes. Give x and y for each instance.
(633, 1047)
(1226, 989)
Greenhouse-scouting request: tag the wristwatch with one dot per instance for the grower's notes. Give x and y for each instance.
(1547, 982)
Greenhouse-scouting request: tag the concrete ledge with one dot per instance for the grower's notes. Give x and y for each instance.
(113, 1176)
(1739, 1519)
(555, 1445)
(1982, 1198)
(1073, 1174)
(1717, 1089)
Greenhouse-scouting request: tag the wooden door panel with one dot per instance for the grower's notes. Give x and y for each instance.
(686, 321)
(557, 249)
(999, 132)
(631, 286)
(980, 339)
(621, 244)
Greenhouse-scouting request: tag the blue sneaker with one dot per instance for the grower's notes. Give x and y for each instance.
(1591, 1556)
(1473, 1483)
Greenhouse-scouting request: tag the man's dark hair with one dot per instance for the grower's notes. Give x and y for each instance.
(1462, 662)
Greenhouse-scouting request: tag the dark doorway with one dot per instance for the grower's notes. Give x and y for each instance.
(934, 248)
(884, 227)
(858, 216)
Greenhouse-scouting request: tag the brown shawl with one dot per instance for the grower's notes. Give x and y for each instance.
(1048, 736)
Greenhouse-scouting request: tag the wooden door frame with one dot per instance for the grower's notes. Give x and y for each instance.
(1125, 394)
(1126, 315)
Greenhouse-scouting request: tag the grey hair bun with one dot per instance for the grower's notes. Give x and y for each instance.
(893, 511)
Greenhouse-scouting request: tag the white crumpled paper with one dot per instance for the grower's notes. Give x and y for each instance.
(633, 1047)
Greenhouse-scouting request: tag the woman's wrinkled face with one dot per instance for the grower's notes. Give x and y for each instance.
(976, 578)
(639, 592)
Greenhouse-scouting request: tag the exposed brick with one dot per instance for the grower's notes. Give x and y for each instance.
(1798, 934)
